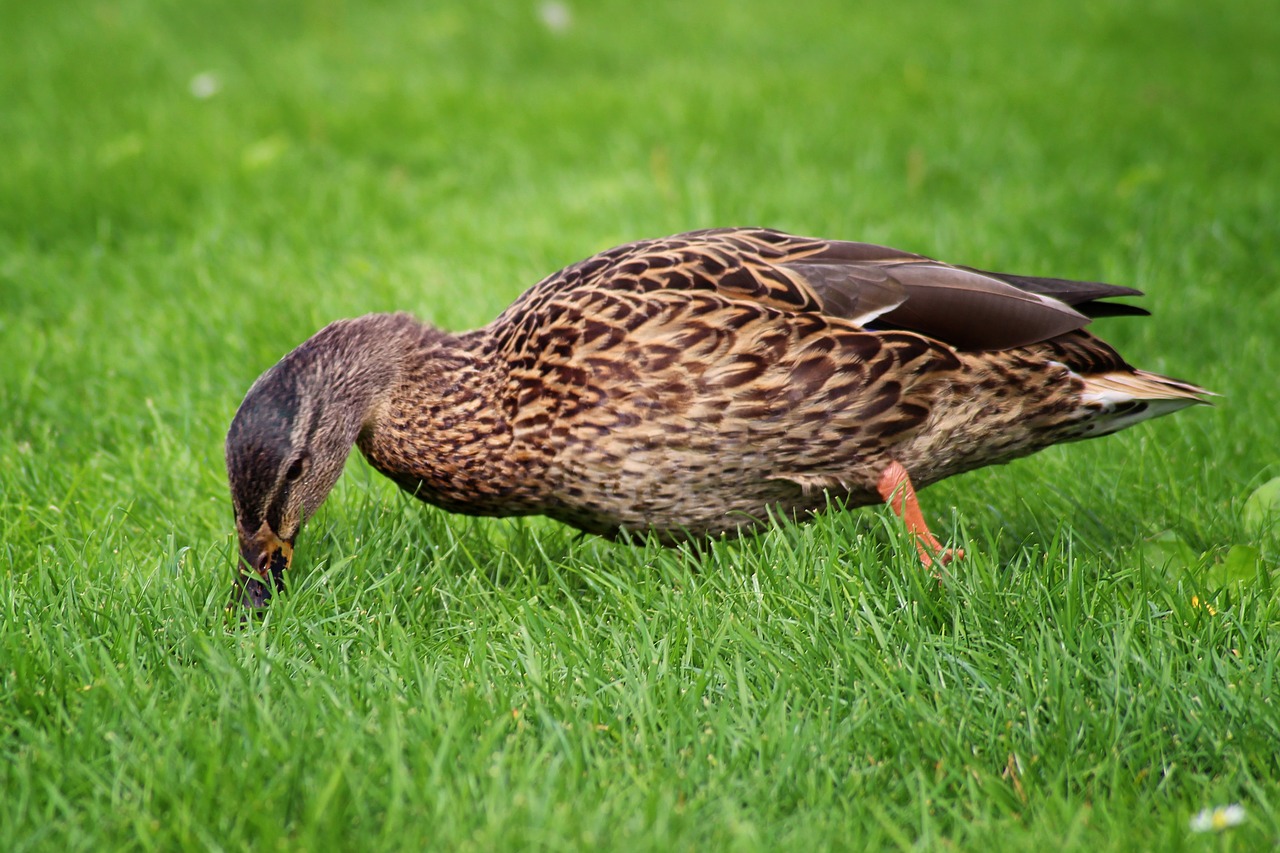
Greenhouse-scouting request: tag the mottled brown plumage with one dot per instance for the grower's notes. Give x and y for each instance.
(689, 386)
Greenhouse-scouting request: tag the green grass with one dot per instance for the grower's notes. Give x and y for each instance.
(1101, 666)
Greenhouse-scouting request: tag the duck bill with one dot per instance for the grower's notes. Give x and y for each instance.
(264, 557)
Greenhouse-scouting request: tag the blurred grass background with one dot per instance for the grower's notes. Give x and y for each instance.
(190, 189)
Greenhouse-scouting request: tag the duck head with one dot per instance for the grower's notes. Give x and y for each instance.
(285, 450)
(290, 439)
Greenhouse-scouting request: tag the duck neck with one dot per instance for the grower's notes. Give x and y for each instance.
(355, 365)
(444, 433)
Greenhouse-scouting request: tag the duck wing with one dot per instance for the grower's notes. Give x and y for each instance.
(970, 309)
(872, 286)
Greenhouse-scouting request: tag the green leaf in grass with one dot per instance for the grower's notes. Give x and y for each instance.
(1262, 509)
(1167, 552)
(1239, 566)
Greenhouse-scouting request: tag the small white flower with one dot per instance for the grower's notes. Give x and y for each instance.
(1218, 819)
(204, 85)
(555, 16)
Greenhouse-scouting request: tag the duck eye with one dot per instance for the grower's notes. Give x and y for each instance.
(296, 469)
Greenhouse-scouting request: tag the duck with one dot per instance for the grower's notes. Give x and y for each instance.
(691, 387)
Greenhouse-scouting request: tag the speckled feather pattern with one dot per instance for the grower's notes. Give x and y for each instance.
(692, 385)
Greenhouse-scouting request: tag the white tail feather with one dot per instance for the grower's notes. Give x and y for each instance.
(1127, 398)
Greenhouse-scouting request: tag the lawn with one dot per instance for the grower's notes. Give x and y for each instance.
(189, 190)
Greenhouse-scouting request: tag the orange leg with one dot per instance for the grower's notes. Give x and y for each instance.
(896, 490)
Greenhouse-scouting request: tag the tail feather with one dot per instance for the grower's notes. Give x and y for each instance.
(1124, 398)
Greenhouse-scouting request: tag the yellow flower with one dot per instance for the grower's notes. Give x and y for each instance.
(1197, 603)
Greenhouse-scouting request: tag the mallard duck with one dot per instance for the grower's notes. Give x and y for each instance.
(691, 387)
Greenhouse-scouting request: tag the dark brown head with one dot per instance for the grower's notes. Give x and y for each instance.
(290, 439)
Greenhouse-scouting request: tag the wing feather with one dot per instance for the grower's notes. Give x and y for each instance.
(973, 311)
(867, 284)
